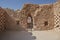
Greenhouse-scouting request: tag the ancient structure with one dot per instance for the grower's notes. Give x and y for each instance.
(8, 22)
(41, 17)
(57, 15)
(31, 16)
(2, 19)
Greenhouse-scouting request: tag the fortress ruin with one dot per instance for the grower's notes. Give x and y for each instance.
(32, 16)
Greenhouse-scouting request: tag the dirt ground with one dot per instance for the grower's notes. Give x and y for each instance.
(31, 35)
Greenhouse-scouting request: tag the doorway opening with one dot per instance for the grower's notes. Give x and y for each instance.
(29, 22)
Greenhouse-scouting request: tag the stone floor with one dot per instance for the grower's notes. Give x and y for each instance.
(30, 35)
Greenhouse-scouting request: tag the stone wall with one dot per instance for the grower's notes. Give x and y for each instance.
(44, 19)
(7, 22)
(57, 15)
(3, 14)
(12, 22)
(40, 14)
(26, 10)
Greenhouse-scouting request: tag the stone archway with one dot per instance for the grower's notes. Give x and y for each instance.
(29, 22)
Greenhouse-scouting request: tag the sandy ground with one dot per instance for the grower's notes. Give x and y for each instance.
(31, 35)
(45, 35)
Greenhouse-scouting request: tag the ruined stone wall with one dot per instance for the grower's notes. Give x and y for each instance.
(44, 14)
(11, 23)
(7, 22)
(3, 14)
(26, 10)
(44, 19)
(57, 15)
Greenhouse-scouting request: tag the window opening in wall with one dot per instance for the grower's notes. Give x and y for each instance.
(46, 23)
(17, 22)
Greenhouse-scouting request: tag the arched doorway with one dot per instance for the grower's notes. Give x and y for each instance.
(29, 22)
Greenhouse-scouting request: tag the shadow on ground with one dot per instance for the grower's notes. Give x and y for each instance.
(22, 35)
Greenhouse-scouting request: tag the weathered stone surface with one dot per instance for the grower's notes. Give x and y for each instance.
(39, 14)
(2, 19)
(43, 17)
(8, 22)
(57, 15)
(46, 15)
(12, 22)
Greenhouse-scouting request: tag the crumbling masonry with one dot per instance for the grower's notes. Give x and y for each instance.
(33, 16)
(44, 16)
